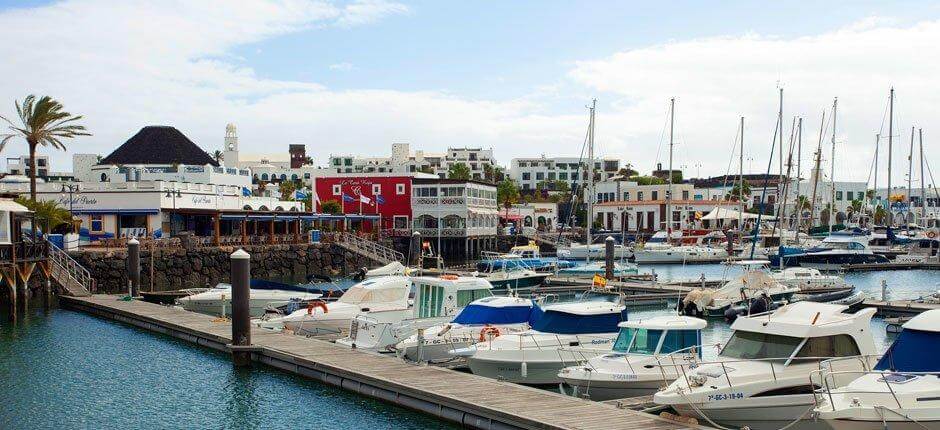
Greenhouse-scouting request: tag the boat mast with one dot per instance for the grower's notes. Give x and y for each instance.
(672, 118)
(590, 180)
(741, 180)
(780, 133)
(923, 193)
(812, 208)
(875, 196)
(799, 177)
(890, 146)
(910, 170)
(832, 168)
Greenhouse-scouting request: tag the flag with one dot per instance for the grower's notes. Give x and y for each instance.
(300, 194)
(364, 199)
(246, 192)
(380, 200)
(348, 198)
(599, 281)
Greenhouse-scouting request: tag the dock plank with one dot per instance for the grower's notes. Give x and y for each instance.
(497, 401)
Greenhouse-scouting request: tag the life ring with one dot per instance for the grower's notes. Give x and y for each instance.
(932, 234)
(316, 304)
(489, 330)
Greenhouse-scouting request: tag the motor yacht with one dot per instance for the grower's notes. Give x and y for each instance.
(384, 293)
(589, 270)
(647, 355)
(525, 256)
(761, 378)
(513, 277)
(594, 251)
(837, 249)
(659, 250)
(218, 300)
(562, 334)
(481, 320)
(437, 301)
(901, 392)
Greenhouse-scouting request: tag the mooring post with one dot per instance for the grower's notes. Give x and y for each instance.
(133, 265)
(241, 319)
(609, 257)
(415, 250)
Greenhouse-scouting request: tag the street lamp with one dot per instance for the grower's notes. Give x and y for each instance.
(68, 188)
(174, 194)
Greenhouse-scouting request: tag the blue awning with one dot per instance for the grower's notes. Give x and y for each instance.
(564, 323)
(117, 211)
(912, 351)
(481, 314)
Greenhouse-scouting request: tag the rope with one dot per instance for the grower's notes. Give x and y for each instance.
(716, 425)
(907, 417)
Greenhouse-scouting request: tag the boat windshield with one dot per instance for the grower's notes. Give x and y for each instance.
(360, 294)
(749, 345)
(644, 341)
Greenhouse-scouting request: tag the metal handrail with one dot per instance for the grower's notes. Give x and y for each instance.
(369, 248)
(71, 268)
(827, 388)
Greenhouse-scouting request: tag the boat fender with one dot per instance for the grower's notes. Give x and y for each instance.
(524, 370)
(488, 330)
(316, 304)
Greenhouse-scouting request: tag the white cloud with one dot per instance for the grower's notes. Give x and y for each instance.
(717, 80)
(368, 11)
(342, 67)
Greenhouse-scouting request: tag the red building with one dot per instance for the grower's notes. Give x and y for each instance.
(370, 194)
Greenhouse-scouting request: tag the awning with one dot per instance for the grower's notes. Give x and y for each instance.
(11, 206)
(117, 211)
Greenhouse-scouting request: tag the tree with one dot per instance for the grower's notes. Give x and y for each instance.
(507, 193)
(218, 156)
(426, 169)
(43, 123)
(308, 160)
(287, 189)
(870, 194)
(458, 171)
(676, 176)
(647, 180)
(735, 193)
(48, 213)
(627, 171)
(881, 215)
(331, 207)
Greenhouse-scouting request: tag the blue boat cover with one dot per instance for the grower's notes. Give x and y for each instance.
(912, 351)
(564, 323)
(481, 314)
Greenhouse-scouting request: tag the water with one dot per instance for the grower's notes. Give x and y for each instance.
(64, 369)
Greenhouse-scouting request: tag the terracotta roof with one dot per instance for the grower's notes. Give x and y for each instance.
(159, 144)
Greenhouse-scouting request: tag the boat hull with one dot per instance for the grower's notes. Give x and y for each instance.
(525, 282)
(771, 415)
(845, 424)
(541, 367)
(609, 390)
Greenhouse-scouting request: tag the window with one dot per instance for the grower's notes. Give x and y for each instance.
(400, 189)
(551, 176)
(841, 345)
(539, 176)
(526, 176)
(626, 195)
(336, 190)
(637, 341)
(400, 221)
(307, 175)
(849, 195)
(748, 345)
(97, 226)
(655, 195)
(563, 176)
(376, 189)
(639, 195)
(838, 195)
(522, 164)
(465, 297)
(685, 195)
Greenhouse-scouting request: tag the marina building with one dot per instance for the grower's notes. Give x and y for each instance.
(539, 215)
(649, 216)
(386, 200)
(455, 216)
(19, 166)
(529, 172)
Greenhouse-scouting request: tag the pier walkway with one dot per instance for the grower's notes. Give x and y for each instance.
(467, 399)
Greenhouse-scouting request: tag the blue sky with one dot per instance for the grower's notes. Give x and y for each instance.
(355, 76)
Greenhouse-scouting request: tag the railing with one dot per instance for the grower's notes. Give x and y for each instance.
(69, 273)
(25, 250)
(367, 247)
(553, 239)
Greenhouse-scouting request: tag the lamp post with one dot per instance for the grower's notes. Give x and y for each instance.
(174, 193)
(71, 189)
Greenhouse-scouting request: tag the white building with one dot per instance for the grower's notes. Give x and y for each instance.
(619, 190)
(19, 166)
(529, 172)
(540, 215)
(403, 161)
(461, 216)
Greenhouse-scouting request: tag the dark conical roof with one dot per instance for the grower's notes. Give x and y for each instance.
(159, 144)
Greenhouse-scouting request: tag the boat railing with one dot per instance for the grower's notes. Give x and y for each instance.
(785, 361)
(828, 383)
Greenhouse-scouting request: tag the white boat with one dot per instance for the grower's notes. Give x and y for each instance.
(901, 392)
(837, 249)
(562, 334)
(708, 302)
(372, 295)
(390, 269)
(437, 300)
(647, 356)
(598, 268)
(807, 279)
(594, 251)
(762, 376)
(218, 300)
(481, 320)
(658, 250)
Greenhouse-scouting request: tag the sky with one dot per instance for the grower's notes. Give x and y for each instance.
(353, 77)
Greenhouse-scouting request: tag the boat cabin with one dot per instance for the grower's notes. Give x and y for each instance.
(445, 295)
(660, 335)
(495, 310)
(917, 347)
(578, 317)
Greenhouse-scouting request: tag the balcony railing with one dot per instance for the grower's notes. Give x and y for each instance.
(23, 251)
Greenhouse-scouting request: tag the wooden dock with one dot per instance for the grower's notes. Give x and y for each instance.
(899, 308)
(466, 399)
(889, 266)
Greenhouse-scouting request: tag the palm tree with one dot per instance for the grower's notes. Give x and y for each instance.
(218, 156)
(43, 123)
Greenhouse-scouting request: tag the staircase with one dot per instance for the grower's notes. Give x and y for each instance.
(71, 276)
(367, 248)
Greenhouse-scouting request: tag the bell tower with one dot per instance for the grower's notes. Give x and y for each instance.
(230, 151)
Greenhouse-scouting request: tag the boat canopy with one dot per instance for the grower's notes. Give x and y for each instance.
(732, 214)
(917, 347)
(495, 310)
(378, 290)
(564, 321)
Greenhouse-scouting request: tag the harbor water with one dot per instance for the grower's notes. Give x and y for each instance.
(67, 370)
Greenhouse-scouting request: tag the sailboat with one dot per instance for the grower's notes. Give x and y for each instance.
(660, 249)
